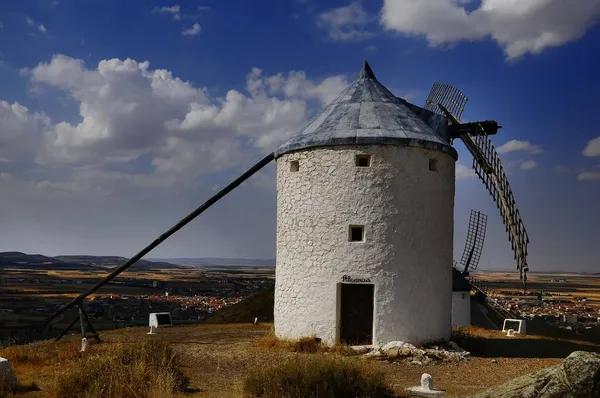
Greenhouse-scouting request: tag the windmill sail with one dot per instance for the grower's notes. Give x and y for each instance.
(474, 243)
(447, 100)
(491, 172)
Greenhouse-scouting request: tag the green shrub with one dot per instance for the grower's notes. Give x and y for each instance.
(318, 377)
(145, 369)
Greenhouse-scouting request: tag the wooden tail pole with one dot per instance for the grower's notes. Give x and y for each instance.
(79, 299)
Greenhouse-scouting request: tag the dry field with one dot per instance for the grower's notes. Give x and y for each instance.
(217, 358)
(578, 285)
(23, 291)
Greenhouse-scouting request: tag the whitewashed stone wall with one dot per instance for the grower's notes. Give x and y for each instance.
(461, 309)
(407, 211)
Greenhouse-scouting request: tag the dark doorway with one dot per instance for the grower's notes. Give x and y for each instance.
(356, 314)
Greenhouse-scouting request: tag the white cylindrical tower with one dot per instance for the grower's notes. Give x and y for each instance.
(365, 201)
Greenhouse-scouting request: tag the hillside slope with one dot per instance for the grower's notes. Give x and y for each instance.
(38, 261)
(218, 358)
(259, 305)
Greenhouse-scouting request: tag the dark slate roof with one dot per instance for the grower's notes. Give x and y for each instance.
(459, 282)
(368, 113)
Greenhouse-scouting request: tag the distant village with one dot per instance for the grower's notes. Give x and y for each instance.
(561, 310)
(135, 300)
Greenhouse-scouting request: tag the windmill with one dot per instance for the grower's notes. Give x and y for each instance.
(367, 113)
(474, 243)
(448, 101)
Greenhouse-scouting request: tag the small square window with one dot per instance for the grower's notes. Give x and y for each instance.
(294, 166)
(433, 165)
(363, 160)
(357, 233)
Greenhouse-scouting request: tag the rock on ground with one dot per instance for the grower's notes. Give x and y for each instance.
(577, 377)
(399, 350)
(8, 381)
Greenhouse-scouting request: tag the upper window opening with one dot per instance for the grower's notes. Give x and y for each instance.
(363, 160)
(433, 165)
(357, 233)
(294, 165)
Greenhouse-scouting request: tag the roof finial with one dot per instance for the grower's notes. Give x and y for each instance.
(366, 72)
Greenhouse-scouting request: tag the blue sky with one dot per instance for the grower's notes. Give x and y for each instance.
(117, 118)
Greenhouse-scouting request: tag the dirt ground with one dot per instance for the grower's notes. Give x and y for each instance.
(217, 358)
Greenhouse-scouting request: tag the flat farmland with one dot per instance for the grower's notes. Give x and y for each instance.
(191, 293)
(557, 285)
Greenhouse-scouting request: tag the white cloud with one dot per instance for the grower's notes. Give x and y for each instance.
(592, 148)
(346, 23)
(463, 172)
(518, 26)
(193, 31)
(29, 21)
(530, 164)
(42, 28)
(20, 131)
(296, 84)
(130, 112)
(408, 95)
(203, 8)
(173, 10)
(516, 145)
(588, 176)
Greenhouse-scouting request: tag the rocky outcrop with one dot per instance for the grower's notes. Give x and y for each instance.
(577, 377)
(8, 381)
(408, 353)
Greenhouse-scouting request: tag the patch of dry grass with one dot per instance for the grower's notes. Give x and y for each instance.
(41, 353)
(308, 345)
(220, 357)
(318, 376)
(148, 369)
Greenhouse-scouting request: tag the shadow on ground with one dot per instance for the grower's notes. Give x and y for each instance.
(522, 347)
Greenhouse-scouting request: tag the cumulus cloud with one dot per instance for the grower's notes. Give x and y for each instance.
(296, 84)
(173, 10)
(132, 114)
(346, 23)
(516, 145)
(588, 176)
(592, 148)
(463, 172)
(530, 164)
(193, 31)
(20, 131)
(519, 27)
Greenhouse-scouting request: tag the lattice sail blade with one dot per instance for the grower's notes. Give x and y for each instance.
(488, 168)
(474, 243)
(448, 96)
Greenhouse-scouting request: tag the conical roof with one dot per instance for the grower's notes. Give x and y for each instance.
(367, 113)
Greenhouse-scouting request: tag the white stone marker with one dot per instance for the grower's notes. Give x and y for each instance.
(426, 388)
(84, 344)
(510, 333)
(152, 330)
(7, 377)
(256, 321)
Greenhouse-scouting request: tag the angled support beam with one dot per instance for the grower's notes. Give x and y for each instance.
(95, 334)
(66, 330)
(82, 321)
(86, 324)
(79, 299)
